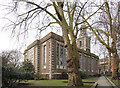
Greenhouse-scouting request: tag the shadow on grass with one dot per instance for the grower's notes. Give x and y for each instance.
(24, 84)
(116, 82)
(29, 85)
(54, 87)
(65, 81)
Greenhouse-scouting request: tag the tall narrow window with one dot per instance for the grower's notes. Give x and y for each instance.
(96, 64)
(85, 63)
(64, 59)
(44, 56)
(36, 60)
(80, 61)
(92, 64)
(57, 55)
(61, 56)
(80, 43)
(89, 64)
(31, 55)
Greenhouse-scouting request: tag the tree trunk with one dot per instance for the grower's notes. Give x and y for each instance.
(115, 64)
(72, 59)
(109, 64)
(74, 78)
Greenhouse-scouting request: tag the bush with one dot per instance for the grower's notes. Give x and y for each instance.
(27, 67)
(83, 75)
(98, 75)
(43, 78)
(64, 75)
(12, 76)
(37, 76)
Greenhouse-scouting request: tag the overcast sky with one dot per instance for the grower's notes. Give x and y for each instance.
(7, 40)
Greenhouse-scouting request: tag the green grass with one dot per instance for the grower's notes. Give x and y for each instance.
(116, 82)
(48, 82)
(37, 83)
(91, 79)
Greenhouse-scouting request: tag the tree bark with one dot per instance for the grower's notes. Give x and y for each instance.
(115, 64)
(74, 78)
(109, 64)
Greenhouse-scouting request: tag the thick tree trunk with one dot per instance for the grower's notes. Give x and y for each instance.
(109, 64)
(74, 78)
(115, 64)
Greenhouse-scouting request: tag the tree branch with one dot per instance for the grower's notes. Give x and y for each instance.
(44, 27)
(107, 34)
(92, 14)
(78, 18)
(96, 34)
(115, 19)
(109, 15)
(44, 9)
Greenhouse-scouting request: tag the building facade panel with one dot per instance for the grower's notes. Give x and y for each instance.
(44, 61)
(48, 56)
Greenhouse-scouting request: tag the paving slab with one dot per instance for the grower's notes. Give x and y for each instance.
(103, 83)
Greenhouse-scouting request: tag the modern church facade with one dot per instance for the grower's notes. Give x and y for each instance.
(48, 55)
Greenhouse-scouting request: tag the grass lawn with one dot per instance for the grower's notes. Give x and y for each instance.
(116, 82)
(38, 83)
(48, 82)
(91, 79)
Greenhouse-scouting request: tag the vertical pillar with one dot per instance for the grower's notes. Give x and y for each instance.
(50, 60)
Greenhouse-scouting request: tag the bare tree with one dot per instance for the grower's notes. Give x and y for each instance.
(11, 58)
(67, 15)
(107, 34)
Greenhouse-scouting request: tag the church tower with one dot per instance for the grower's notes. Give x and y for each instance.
(83, 42)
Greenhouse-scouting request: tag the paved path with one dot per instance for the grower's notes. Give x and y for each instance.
(103, 83)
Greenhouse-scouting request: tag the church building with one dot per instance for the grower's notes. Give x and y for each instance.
(48, 55)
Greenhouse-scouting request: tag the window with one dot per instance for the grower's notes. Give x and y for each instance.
(31, 55)
(57, 55)
(96, 65)
(96, 62)
(87, 49)
(80, 43)
(92, 64)
(64, 59)
(36, 60)
(85, 66)
(80, 61)
(44, 56)
(61, 55)
(89, 64)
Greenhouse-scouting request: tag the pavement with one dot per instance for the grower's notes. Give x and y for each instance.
(103, 83)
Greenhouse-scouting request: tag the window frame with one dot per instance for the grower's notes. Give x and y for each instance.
(44, 56)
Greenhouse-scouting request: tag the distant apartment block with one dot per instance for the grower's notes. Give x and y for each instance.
(48, 55)
(103, 65)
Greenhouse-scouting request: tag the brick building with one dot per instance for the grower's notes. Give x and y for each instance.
(48, 55)
(103, 65)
